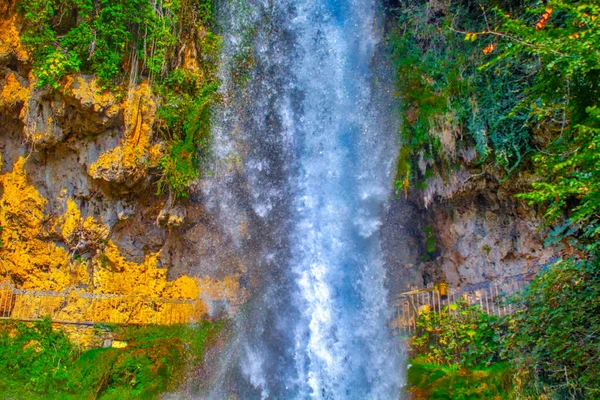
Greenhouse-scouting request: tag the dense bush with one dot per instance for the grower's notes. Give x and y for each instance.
(460, 335)
(554, 341)
(457, 354)
(35, 358)
(448, 103)
(442, 382)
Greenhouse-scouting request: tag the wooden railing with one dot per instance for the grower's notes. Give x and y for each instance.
(490, 296)
(84, 308)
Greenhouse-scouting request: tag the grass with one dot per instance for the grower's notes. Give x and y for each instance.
(430, 381)
(38, 361)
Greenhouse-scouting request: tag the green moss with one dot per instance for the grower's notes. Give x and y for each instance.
(38, 361)
(430, 381)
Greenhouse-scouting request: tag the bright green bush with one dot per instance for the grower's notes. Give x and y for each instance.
(185, 123)
(461, 335)
(442, 382)
(35, 358)
(457, 354)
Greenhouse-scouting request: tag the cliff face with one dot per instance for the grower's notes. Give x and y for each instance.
(78, 200)
(468, 230)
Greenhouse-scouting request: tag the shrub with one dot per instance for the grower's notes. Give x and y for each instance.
(461, 335)
(39, 362)
(448, 102)
(554, 341)
(428, 381)
(35, 358)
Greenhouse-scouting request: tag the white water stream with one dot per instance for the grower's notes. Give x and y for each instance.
(313, 133)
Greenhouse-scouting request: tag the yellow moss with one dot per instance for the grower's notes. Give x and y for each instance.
(129, 160)
(71, 219)
(91, 95)
(114, 274)
(29, 258)
(12, 92)
(78, 232)
(84, 337)
(10, 42)
(26, 256)
(183, 288)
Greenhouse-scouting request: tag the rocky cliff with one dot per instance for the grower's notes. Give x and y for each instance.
(475, 232)
(79, 202)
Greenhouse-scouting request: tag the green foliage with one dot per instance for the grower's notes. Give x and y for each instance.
(38, 362)
(554, 341)
(565, 101)
(185, 122)
(460, 335)
(430, 239)
(431, 381)
(457, 354)
(35, 358)
(448, 103)
(105, 37)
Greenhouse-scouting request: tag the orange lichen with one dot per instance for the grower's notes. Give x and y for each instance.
(13, 93)
(128, 162)
(10, 42)
(26, 256)
(90, 95)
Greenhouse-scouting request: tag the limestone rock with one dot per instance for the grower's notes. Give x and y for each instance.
(40, 117)
(93, 110)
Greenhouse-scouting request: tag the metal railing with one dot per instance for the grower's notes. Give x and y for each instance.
(84, 308)
(489, 295)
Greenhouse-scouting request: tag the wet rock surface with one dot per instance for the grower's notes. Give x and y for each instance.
(477, 233)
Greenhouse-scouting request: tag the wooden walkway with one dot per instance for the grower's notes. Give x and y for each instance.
(84, 308)
(489, 296)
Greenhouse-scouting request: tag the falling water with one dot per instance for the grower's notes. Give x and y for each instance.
(311, 135)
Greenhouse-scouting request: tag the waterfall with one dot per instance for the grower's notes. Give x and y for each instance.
(313, 147)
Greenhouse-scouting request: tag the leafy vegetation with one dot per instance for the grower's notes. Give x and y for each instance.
(506, 79)
(449, 104)
(548, 347)
(458, 354)
(37, 361)
(460, 335)
(431, 381)
(519, 82)
(122, 42)
(554, 342)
